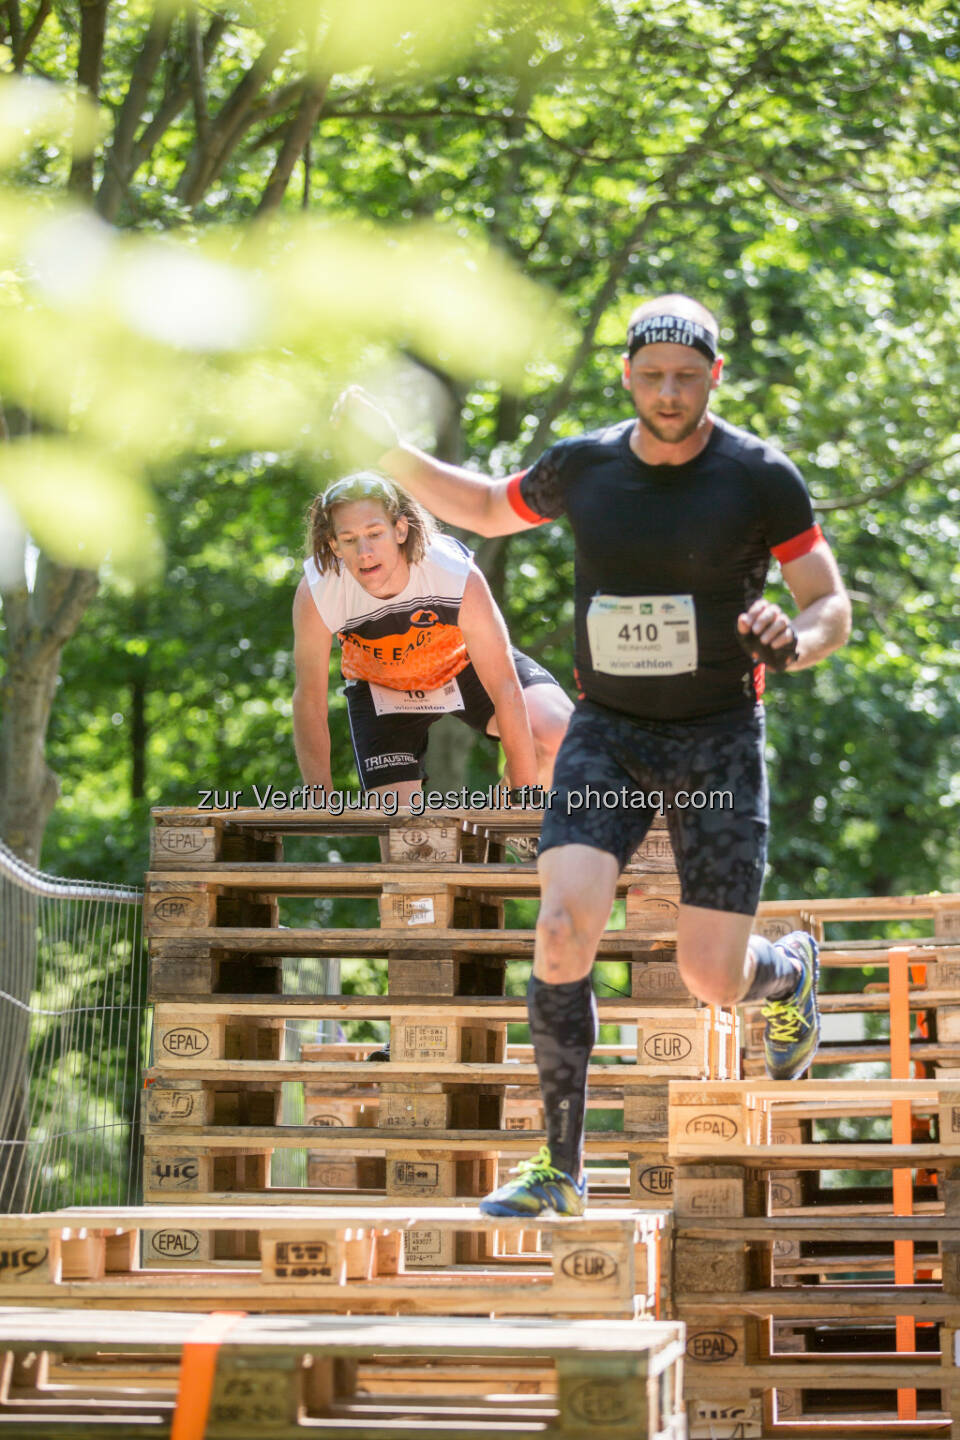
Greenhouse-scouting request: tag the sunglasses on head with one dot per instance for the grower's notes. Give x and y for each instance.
(358, 488)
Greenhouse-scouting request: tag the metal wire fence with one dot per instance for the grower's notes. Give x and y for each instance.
(72, 1039)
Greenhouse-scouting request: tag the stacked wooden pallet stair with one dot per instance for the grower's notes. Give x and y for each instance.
(385, 1304)
(371, 1299)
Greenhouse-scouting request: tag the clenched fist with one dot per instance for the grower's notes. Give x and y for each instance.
(365, 430)
(767, 635)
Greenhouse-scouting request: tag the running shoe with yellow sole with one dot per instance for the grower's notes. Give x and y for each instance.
(793, 1023)
(539, 1189)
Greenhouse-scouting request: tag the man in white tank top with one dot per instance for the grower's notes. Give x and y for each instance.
(420, 637)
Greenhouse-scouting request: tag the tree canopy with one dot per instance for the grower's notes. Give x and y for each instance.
(265, 202)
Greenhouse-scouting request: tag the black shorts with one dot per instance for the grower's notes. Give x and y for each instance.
(612, 770)
(391, 748)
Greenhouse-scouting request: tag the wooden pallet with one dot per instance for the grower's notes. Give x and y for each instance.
(184, 1165)
(442, 869)
(445, 1089)
(777, 917)
(241, 959)
(350, 1258)
(73, 1374)
(183, 836)
(730, 1146)
(731, 1121)
(412, 897)
(368, 1080)
(440, 1029)
(290, 1376)
(933, 991)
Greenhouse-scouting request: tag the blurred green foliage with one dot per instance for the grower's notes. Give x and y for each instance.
(267, 202)
(795, 170)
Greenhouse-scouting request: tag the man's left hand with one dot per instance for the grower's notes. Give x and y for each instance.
(767, 635)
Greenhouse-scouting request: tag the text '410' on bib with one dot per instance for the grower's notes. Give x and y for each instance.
(417, 702)
(642, 634)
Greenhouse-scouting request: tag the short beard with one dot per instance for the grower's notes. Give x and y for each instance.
(684, 434)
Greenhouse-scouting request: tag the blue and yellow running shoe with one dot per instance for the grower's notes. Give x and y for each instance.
(539, 1189)
(793, 1023)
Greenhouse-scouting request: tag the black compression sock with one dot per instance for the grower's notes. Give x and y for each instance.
(775, 977)
(563, 1028)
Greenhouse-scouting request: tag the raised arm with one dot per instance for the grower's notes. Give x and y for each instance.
(474, 502)
(488, 646)
(311, 654)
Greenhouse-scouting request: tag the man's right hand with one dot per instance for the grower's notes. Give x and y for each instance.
(364, 429)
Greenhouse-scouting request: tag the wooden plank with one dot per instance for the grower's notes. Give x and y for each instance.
(654, 855)
(591, 1269)
(827, 1156)
(820, 1372)
(177, 904)
(879, 1090)
(177, 846)
(827, 1302)
(324, 1075)
(489, 1008)
(651, 1178)
(858, 1053)
(657, 980)
(474, 818)
(377, 943)
(290, 878)
(811, 1226)
(676, 1042)
(774, 927)
(338, 878)
(652, 905)
(605, 1223)
(725, 1420)
(655, 1345)
(257, 1137)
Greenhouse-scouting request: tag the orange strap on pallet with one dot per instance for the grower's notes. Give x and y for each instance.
(198, 1365)
(903, 1257)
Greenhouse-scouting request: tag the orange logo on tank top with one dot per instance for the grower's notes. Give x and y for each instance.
(424, 658)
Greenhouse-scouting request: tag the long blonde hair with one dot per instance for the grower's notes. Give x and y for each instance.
(366, 485)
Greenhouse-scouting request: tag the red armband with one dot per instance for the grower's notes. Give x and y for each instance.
(519, 504)
(801, 544)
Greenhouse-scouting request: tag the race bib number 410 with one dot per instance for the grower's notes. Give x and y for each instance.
(642, 634)
(417, 702)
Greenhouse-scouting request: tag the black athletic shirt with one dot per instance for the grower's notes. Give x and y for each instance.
(704, 529)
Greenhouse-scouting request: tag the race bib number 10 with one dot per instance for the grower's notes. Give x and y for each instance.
(642, 634)
(417, 702)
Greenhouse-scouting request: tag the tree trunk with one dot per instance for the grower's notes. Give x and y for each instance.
(118, 162)
(138, 736)
(93, 29)
(448, 754)
(28, 787)
(293, 146)
(38, 626)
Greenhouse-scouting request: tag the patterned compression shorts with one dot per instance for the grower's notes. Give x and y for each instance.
(613, 769)
(389, 749)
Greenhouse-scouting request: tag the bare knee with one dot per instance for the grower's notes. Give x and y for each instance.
(548, 736)
(549, 717)
(556, 930)
(712, 953)
(562, 949)
(714, 976)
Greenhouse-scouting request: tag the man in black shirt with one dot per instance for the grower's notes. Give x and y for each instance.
(674, 515)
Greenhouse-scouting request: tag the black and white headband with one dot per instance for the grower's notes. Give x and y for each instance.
(671, 330)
